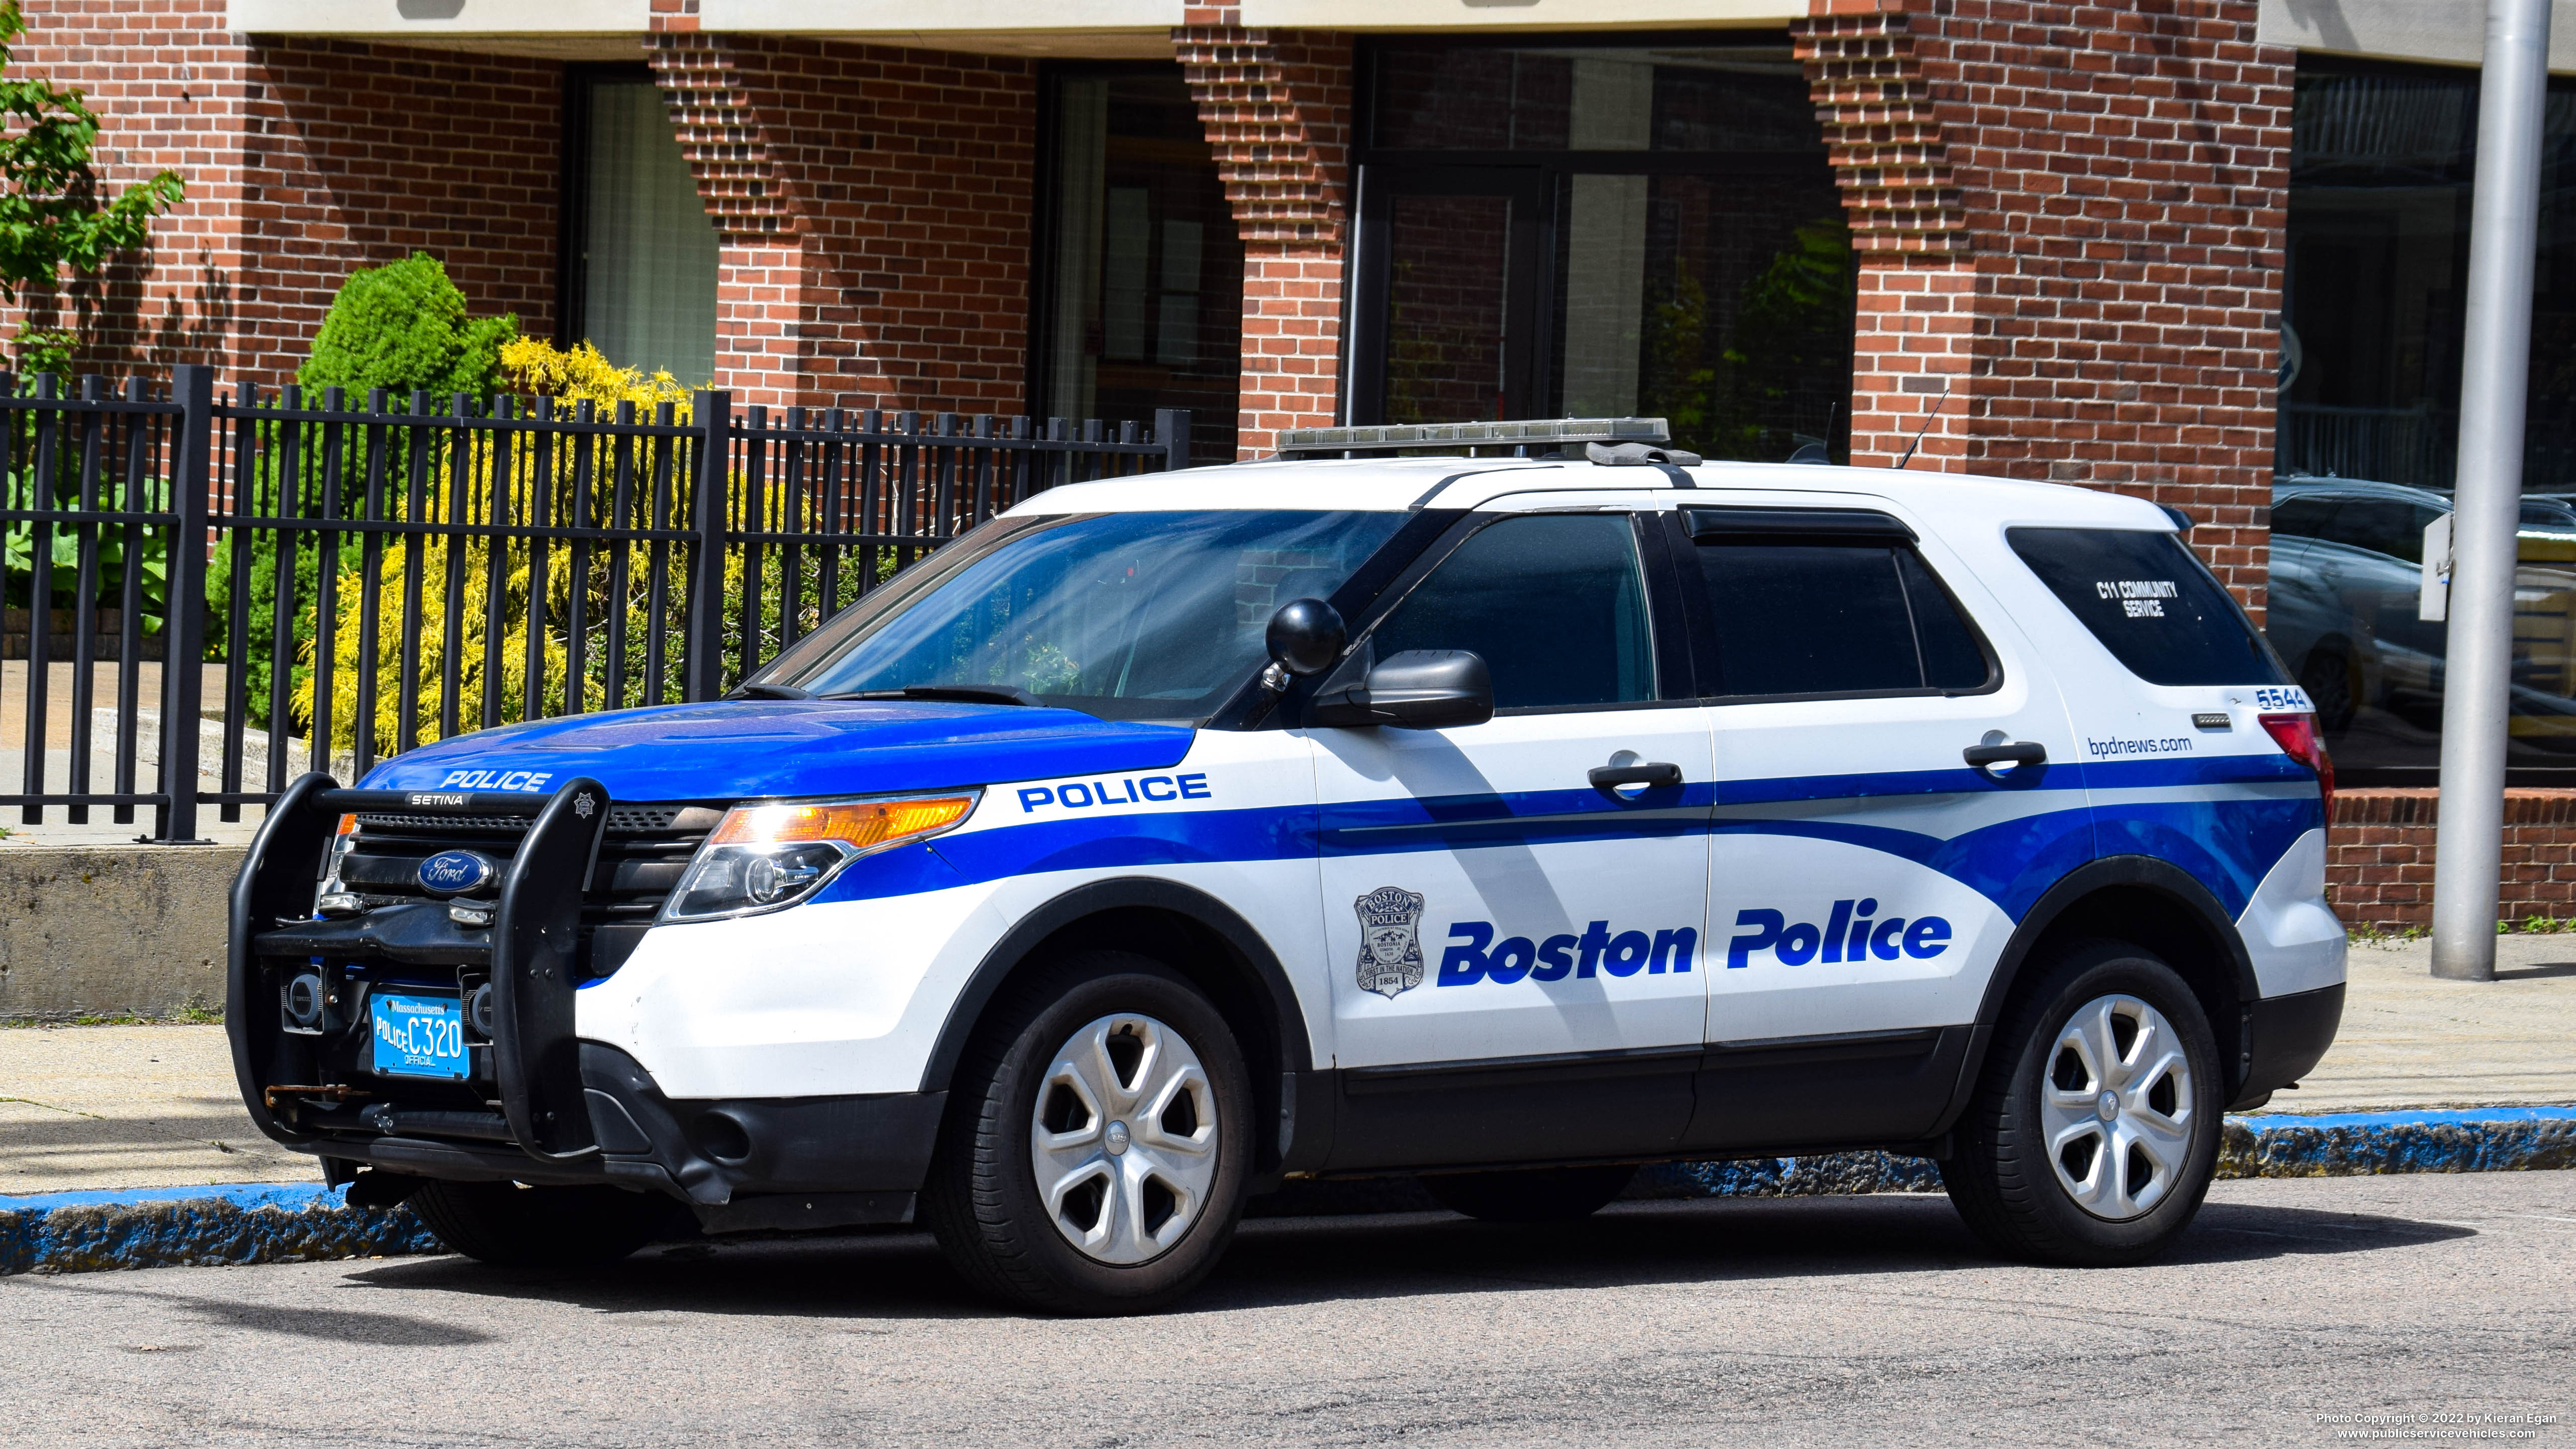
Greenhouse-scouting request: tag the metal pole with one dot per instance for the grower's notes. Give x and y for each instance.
(2504, 227)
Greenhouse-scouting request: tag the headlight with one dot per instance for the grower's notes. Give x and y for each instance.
(331, 898)
(769, 856)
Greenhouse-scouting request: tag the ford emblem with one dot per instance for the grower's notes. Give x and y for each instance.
(456, 872)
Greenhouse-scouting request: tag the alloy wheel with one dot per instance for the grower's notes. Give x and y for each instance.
(1124, 1145)
(2117, 1107)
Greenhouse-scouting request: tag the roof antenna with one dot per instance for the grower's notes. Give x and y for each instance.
(1927, 424)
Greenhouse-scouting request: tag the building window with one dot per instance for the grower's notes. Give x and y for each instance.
(1140, 298)
(1601, 229)
(641, 255)
(2372, 330)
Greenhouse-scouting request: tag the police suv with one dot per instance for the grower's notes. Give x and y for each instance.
(1507, 820)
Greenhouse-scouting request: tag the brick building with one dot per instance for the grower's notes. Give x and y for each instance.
(2189, 249)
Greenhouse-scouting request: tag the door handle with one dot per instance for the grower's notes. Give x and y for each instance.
(2025, 752)
(1607, 778)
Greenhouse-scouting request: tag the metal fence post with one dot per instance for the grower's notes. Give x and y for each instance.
(182, 663)
(713, 414)
(2478, 675)
(1172, 430)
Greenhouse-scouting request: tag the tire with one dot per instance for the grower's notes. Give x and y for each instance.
(1098, 1142)
(2326, 675)
(1532, 1195)
(2040, 1173)
(510, 1226)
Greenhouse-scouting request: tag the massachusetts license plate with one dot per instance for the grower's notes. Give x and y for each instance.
(418, 1036)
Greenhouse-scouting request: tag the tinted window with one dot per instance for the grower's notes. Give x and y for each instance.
(1833, 618)
(2390, 526)
(1555, 604)
(1952, 658)
(2305, 516)
(2151, 603)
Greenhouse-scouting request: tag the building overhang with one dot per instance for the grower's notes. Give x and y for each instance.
(577, 30)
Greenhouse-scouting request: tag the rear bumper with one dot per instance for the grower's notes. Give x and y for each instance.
(2286, 1036)
(740, 1165)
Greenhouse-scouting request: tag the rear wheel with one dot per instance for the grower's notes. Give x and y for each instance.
(2327, 677)
(1531, 1195)
(510, 1226)
(2094, 1131)
(1098, 1142)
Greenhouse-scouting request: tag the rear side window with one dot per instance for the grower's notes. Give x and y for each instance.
(2151, 603)
(1817, 617)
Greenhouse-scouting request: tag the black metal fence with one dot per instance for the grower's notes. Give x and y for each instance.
(222, 592)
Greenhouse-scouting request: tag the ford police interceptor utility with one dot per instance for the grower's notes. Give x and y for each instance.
(1511, 821)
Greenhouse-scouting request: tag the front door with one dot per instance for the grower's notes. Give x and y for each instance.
(1865, 874)
(1517, 953)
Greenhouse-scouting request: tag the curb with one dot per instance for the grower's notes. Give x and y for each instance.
(198, 1227)
(2277, 1144)
(81, 1232)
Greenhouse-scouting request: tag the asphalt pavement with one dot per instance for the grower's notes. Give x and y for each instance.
(1815, 1321)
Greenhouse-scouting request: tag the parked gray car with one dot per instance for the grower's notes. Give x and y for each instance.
(2347, 576)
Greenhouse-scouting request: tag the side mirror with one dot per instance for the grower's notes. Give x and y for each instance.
(1419, 689)
(1305, 637)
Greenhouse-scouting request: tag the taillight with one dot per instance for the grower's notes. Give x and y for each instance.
(2297, 736)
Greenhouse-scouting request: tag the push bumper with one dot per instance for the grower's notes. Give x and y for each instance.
(540, 1105)
(816, 1162)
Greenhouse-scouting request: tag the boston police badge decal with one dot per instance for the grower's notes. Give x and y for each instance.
(1390, 940)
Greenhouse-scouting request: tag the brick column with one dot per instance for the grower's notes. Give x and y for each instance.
(2075, 220)
(873, 207)
(1277, 108)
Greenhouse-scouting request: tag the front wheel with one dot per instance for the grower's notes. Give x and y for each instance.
(2094, 1131)
(1098, 1142)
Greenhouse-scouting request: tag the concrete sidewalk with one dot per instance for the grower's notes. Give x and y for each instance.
(2409, 1041)
(84, 1108)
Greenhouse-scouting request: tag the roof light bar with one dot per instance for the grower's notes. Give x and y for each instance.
(1553, 432)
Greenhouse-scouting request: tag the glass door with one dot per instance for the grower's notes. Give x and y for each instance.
(1451, 257)
(1589, 227)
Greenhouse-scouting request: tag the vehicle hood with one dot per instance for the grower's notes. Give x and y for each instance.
(737, 749)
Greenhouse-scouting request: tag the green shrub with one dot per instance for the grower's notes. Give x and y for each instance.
(398, 327)
(403, 326)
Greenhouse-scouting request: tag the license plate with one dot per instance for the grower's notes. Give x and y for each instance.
(418, 1036)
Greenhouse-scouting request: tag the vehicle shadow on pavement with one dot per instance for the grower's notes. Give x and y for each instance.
(324, 1325)
(1284, 1261)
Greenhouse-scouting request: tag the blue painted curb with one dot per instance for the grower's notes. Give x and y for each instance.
(2274, 1144)
(75, 1232)
(171, 1227)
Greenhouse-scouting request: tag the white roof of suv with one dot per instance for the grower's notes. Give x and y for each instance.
(1378, 484)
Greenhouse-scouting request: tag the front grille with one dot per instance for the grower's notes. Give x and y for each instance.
(627, 818)
(641, 858)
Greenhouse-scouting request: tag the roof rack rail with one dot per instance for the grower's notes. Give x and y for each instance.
(1551, 432)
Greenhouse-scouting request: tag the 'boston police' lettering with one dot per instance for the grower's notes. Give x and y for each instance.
(1848, 934)
(1517, 958)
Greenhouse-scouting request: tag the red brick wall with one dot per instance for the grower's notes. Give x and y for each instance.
(2074, 216)
(1277, 108)
(362, 155)
(875, 205)
(304, 160)
(2380, 854)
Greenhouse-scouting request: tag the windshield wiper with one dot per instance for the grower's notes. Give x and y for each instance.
(958, 693)
(769, 691)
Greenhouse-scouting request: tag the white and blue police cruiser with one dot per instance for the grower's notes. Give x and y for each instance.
(1511, 821)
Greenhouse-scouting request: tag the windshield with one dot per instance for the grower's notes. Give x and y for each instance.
(1122, 615)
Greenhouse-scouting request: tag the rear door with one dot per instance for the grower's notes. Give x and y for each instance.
(1864, 875)
(1517, 954)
